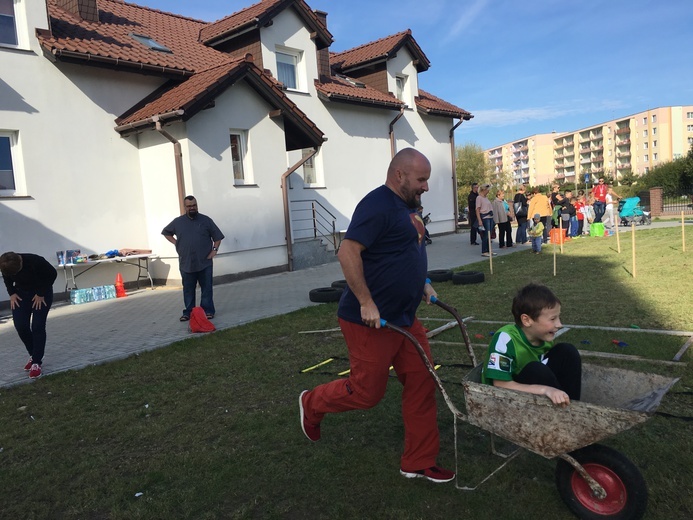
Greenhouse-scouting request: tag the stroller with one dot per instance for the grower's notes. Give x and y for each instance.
(629, 211)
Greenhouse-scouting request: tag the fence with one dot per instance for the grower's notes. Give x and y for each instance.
(665, 205)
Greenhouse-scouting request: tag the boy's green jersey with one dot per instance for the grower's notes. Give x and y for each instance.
(508, 354)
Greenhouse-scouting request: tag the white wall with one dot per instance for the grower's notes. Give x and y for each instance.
(250, 216)
(83, 188)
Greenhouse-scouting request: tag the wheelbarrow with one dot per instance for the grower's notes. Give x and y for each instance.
(595, 481)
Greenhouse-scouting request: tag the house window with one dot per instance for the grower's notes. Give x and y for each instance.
(644, 133)
(150, 42)
(654, 156)
(238, 153)
(690, 140)
(400, 83)
(654, 131)
(689, 115)
(654, 118)
(288, 68)
(646, 158)
(647, 169)
(644, 146)
(644, 120)
(690, 128)
(6, 168)
(8, 27)
(654, 144)
(309, 175)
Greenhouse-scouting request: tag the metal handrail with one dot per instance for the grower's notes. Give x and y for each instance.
(322, 223)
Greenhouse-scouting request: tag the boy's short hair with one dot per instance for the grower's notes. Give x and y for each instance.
(10, 263)
(531, 300)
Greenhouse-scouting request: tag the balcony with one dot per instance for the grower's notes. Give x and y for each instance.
(623, 154)
(621, 131)
(599, 158)
(596, 170)
(570, 173)
(623, 166)
(623, 143)
(598, 148)
(560, 176)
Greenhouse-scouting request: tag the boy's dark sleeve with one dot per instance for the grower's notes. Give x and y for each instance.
(45, 274)
(9, 284)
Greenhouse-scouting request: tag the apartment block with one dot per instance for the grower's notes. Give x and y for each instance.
(634, 143)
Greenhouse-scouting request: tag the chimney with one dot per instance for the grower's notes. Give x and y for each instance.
(323, 54)
(84, 9)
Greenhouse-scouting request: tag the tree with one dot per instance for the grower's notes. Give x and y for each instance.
(471, 166)
(675, 177)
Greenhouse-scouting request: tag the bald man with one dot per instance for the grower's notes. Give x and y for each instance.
(383, 257)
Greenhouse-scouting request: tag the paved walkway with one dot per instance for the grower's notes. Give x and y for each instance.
(98, 332)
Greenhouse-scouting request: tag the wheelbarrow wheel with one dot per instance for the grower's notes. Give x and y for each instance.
(626, 490)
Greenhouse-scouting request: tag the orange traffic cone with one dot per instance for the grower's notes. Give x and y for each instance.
(120, 288)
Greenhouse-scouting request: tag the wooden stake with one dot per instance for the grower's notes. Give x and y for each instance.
(554, 258)
(683, 233)
(618, 235)
(632, 229)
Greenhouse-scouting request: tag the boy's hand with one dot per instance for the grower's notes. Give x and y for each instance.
(558, 397)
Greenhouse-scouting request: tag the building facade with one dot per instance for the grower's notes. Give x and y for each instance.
(111, 112)
(634, 143)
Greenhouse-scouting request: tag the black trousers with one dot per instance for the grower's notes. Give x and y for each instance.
(563, 371)
(31, 323)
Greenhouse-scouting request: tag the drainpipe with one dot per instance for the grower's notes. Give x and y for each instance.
(454, 173)
(178, 160)
(392, 131)
(287, 214)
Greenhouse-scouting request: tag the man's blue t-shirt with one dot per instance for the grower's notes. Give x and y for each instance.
(394, 261)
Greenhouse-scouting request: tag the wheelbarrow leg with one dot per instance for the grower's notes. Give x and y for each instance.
(598, 490)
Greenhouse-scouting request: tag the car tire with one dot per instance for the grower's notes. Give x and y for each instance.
(339, 284)
(325, 294)
(467, 277)
(440, 275)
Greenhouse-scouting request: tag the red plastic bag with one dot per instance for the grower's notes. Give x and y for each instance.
(199, 322)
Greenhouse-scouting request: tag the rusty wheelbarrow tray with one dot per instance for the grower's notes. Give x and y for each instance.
(594, 481)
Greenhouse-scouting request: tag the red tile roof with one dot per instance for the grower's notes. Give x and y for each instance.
(258, 15)
(352, 91)
(181, 101)
(379, 50)
(432, 105)
(109, 43)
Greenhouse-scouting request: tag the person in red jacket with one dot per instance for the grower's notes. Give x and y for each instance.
(599, 192)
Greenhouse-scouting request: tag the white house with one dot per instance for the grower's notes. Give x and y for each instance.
(110, 113)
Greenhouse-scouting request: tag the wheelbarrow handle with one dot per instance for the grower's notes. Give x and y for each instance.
(460, 322)
(426, 362)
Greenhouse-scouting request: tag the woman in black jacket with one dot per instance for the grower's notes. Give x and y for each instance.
(520, 206)
(29, 280)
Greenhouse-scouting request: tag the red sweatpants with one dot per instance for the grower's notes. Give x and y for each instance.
(371, 353)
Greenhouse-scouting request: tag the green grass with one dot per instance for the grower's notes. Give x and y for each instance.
(208, 427)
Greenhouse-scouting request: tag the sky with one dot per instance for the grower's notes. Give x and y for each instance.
(521, 67)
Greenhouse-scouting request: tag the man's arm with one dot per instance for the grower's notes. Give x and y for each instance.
(352, 265)
(171, 239)
(215, 250)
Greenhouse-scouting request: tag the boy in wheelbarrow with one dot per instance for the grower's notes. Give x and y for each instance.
(522, 355)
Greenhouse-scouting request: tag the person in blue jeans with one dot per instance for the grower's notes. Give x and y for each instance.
(197, 240)
(484, 217)
(29, 281)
